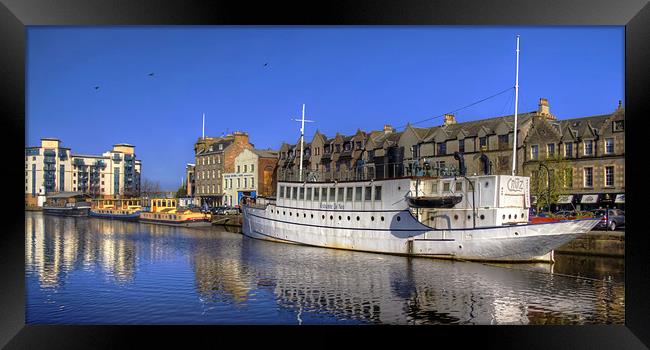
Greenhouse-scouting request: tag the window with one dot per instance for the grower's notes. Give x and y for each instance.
(459, 186)
(609, 176)
(609, 146)
(589, 147)
(327, 149)
(220, 147)
(245, 168)
(358, 144)
(316, 194)
(446, 186)
(441, 149)
(550, 150)
(245, 182)
(368, 196)
(294, 191)
(323, 194)
(377, 193)
(482, 141)
(332, 194)
(415, 151)
(503, 141)
(568, 178)
(348, 194)
(287, 194)
(618, 125)
(308, 194)
(252, 182)
(238, 170)
(534, 152)
(568, 150)
(238, 183)
(589, 177)
(252, 168)
(339, 198)
(302, 193)
(357, 194)
(461, 145)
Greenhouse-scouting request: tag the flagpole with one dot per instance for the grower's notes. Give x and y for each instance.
(302, 136)
(514, 145)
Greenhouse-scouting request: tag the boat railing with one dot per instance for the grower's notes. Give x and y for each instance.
(367, 172)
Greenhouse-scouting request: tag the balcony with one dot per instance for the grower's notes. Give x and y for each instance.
(49, 153)
(129, 157)
(50, 160)
(32, 151)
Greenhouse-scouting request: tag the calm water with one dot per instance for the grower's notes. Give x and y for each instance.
(97, 271)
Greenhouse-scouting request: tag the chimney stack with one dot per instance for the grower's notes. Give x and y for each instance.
(240, 137)
(450, 119)
(544, 109)
(620, 104)
(388, 129)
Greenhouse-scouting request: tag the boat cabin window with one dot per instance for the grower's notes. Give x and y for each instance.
(348, 194)
(357, 194)
(281, 191)
(368, 196)
(316, 193)
(434, 187)
(308, 194)
(377, 193)
(445, 186)
(470, 186)
(302, 193)
(331, 197)
(459, 186)
(294, 191)
(340, 196)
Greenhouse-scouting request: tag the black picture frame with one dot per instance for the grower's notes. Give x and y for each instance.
(15, 15)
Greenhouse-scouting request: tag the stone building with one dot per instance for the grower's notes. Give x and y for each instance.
(190, 180)
(593, 146)
(253, 175)
(52, 168)
(214, 157)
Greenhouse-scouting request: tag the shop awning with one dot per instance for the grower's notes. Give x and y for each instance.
(620, 198)
(589, 199)
(565, 199)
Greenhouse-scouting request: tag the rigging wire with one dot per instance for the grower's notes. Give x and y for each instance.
(459, 109)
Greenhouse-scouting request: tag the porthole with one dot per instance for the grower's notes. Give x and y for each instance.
(339, 217)
(382, 218)
(312, 216)
(358, 218)
(348, 218)
(304, 215)
(399, 188)
(372, 218)
(504, 216)
(398, 218)
(323, 217)
(271, 211)
(516, 233)
(290, 213)
(515, 216)
(509, 216)
(331, 217)
(522, 215)
(487, 184)
(284, 212)
(482, 216)
(456, 217)
(297, 214)
(469, 217)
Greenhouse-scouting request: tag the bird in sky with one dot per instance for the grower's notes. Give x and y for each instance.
(266, 64)
(96, 87)
(151, 74)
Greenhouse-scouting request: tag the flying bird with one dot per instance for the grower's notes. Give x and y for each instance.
(266, 64)
(96, 87)
(151, 74)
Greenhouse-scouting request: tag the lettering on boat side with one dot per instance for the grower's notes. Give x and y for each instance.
(516, 185)
(332, 206)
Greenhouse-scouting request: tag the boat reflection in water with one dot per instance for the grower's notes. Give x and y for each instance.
(89, 271)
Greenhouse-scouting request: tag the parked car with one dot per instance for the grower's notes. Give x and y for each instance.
(217, 210)
(614, 218)
(231, 211)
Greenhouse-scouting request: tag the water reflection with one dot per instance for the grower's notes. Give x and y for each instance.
(162, 274)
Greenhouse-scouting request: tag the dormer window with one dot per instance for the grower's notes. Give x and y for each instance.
(482, 141)
(618, 125)
(589, 147)
(220, 147)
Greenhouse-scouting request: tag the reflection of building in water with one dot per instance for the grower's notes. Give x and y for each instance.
(57, 245)
(220, 271)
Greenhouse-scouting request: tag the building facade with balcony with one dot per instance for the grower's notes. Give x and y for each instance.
(51, 168)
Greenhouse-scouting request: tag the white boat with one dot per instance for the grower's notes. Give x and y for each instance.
(469, 218)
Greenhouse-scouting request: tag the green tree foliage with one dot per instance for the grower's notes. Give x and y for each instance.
(549, 181)
(180, 192)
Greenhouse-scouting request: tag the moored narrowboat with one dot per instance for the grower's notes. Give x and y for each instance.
(67, 204)
(122, 209)
(165, 211)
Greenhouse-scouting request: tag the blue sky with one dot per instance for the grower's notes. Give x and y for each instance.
(348, 77)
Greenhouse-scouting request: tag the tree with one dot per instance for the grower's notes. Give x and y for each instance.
(181, 192)
(549, 180)
(149, 188)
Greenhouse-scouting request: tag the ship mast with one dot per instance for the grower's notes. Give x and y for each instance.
(302, 135)
(514, 144)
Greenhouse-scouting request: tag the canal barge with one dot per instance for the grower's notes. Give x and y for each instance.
(121, 209)
(67, 204)
(165, 211)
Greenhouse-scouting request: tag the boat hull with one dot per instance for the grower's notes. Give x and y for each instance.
(187, 223)
(527, 242)
(66, 211)
(129, 217)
